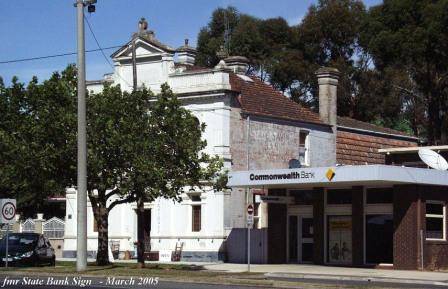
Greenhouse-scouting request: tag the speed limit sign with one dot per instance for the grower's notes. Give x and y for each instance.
(8, 211)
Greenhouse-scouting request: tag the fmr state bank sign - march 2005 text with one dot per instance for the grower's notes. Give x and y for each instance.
(47, 281)
(78, 281)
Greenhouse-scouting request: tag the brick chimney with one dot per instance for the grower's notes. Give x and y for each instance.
(328, 89)
(328, 79)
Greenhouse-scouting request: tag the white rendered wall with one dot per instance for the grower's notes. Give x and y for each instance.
(121, 225)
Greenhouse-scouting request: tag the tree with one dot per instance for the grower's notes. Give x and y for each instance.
(413, 35)
(37, 139)
(327, 36)
(211, 37)
(140, 148)
(248, 36)
(170, 157)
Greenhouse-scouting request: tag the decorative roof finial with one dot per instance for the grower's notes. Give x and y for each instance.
(222, 52)
(142, 25)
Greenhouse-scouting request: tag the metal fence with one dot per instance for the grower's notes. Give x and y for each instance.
(53, 228)
(28, 226)
(3, 230)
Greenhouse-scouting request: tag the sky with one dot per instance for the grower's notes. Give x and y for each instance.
(31, 28)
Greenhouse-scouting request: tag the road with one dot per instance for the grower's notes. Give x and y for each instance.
(347, 283)
(46, 282)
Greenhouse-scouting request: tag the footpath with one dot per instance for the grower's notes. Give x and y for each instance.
(331, 274)
(300, 272)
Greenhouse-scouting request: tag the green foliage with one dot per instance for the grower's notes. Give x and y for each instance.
(289, 56)
(211, 37)
(37, 139)
(165, 148)
(251, 37)
(413, 35)
(140, 146)
(392, 58)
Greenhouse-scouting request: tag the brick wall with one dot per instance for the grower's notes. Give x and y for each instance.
(435, 252)
(406, 240)
(271, 145)
(359, 149)
(409, 219)
(273, 142)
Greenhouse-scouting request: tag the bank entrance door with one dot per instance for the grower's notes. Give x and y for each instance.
(301, 241)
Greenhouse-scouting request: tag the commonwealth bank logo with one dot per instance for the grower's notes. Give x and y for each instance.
(330, 174)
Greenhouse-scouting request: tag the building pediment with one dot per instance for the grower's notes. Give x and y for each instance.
(144, 47)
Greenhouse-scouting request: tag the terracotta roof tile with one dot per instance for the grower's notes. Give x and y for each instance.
(353, 148)
(259, 98)
(356, 124)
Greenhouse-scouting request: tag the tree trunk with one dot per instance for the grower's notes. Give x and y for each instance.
(140, 233)
(101, 216)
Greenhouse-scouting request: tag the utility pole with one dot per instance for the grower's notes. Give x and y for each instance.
(81, 244)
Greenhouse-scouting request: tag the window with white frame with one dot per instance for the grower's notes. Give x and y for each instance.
(196, 212)
(304, 147)
(196, 218)
(435, 220)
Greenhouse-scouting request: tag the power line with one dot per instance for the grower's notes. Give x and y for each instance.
(97, 43)
(55, 55)
(102, 51)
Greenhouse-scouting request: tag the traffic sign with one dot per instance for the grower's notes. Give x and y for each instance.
(250, 209)
(8, 211)
(250, 220)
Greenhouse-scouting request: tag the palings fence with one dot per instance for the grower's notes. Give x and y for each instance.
(53, 228)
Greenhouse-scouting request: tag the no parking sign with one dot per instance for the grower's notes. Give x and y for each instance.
(8, 211)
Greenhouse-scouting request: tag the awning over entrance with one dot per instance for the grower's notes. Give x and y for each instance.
(368, 175)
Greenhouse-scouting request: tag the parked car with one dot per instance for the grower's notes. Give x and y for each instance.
(27, 249)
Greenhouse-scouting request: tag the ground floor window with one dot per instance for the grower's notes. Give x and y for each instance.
(340, 239)
(435, 220)
(379, 239)
(196, 218)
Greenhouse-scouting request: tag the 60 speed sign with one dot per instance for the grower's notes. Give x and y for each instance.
(8, 211)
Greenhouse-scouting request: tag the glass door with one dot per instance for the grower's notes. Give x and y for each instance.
(306, 240)
(301, 239)
(339, 239)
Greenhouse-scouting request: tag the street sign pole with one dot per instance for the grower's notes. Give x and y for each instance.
(250, 222)
(7, 217)
(7, 246)
(248, 248)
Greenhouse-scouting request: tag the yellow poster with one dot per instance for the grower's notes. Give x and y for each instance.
(340, 239)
